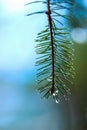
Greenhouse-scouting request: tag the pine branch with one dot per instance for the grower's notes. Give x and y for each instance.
(54, 47)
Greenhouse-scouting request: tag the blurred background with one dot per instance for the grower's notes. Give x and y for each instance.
(21, 107)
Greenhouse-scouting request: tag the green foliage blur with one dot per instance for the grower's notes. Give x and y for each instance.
(79, 89)
(79, 14)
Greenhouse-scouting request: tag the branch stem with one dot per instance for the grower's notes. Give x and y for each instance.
(48, 12)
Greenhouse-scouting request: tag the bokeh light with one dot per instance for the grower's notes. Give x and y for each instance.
(79, 35)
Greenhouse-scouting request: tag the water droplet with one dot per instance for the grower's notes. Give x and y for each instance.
(50, 92)
(49, 79)
(54, 94)
(57, 100)
(56, 97)
(56, 91)
(39, 47)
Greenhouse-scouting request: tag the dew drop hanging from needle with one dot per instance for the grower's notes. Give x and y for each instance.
(56, 97)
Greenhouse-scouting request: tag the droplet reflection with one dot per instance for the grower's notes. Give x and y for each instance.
(57, 101)
(56, 97)
(49, 79)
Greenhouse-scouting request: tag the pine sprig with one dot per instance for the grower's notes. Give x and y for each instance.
(54, 48)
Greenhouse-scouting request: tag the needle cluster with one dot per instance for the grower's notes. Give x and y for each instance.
(55, 53)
